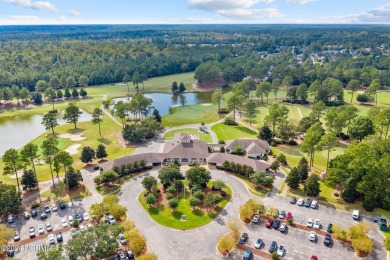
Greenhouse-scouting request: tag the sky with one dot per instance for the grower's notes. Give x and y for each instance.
(19, 12)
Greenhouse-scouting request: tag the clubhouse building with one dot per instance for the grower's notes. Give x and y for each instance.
(185, 149)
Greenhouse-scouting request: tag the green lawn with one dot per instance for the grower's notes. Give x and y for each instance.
(383, 98)
(158, 84)
(226, 132)
(202, 136)
(195, 114)
(164, 215)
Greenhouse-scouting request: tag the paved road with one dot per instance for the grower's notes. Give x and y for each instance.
(174, 244)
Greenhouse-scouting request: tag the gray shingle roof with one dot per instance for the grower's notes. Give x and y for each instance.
(220, 158)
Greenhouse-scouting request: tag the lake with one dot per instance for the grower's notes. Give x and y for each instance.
(15, 132)
(162, 102)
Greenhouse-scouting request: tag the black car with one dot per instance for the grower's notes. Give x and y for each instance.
(62, 205)
(273, 247)
(327, 240)
(34, 213)
(10, 251)
(129, 253)
(78, 218)
(329, 229)
(59, 237)
(307, 202)
(243, 238)
(276, 224)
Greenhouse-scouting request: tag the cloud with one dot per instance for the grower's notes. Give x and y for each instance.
(237, 9)
(62, 18)
(300, 2)
(38, 5)
(74, 13)
(25, 18)
(189, 20)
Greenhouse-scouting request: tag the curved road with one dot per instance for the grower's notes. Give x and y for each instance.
(172, 244)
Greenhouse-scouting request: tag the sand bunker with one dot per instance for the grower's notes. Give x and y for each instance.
(73, 137)
(207, 104)
(73, 149)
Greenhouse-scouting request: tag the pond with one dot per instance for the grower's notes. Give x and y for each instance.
(162, 102)
(15, 132)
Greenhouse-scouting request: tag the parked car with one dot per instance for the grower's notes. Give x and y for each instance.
(46, 209)
(31, 232)
(289, 216)
(10, 251)
(269, 223)
(248, 255)
(73, 231)
(327, 240)
(314, 204)
(10, 218)
(82, 228)
(43, 215)
(355, 214)
(282, 214)
(256, 219)
(54, 207)
(283, 228)
(78, 218)
(280, 250)
(111, 219)
(85, 216)
(41, 229)
(309, 222)
(276, 224)
(62, 205)
(49, 228)
(64, 223)
(329, 229)
(71, 220)
(317, 224)
(307, 202)
(293, 200)
(259, 243)
(314, 257)
(129, 253)
(50, 239)
(312, 236)
(300, 202)
(26, 215)
(59, 237)
(272, 246)
(34, 213)
(243, 238)
(16, 236)
(122, 239)
(121, 255)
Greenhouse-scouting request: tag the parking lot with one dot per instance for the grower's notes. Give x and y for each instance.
(22, 225)
(296, 243)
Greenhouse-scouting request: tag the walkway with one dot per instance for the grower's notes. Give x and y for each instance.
(105, 111)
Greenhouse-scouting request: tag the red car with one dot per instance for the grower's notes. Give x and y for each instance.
(289, 216)
(269, 223)
(313, 257)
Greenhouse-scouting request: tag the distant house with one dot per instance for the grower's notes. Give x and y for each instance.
(253, 148)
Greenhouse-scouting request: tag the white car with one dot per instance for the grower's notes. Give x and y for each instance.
(122, 239)
(317, 224)
(256, 219)
(280, 250)
(85, 216)
(41, 229)
(49, 228)
(111, 219)
(283, 227)
(314, 204)
(73, 231)
(51, 239)
(300, 202)
(10, 218)
(64, 223)
(259, 243)
(312, 236)
(82, 228)
(54, 207)
(70, 219)
(309, 222)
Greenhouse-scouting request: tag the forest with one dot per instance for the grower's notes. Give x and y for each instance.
(116, 53)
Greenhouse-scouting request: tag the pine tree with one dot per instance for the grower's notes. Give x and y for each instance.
(303, 169)
(293, 179)
(101, 152)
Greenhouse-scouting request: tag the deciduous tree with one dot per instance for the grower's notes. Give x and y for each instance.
(50, 121)
(12, 163)
(72, 114)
